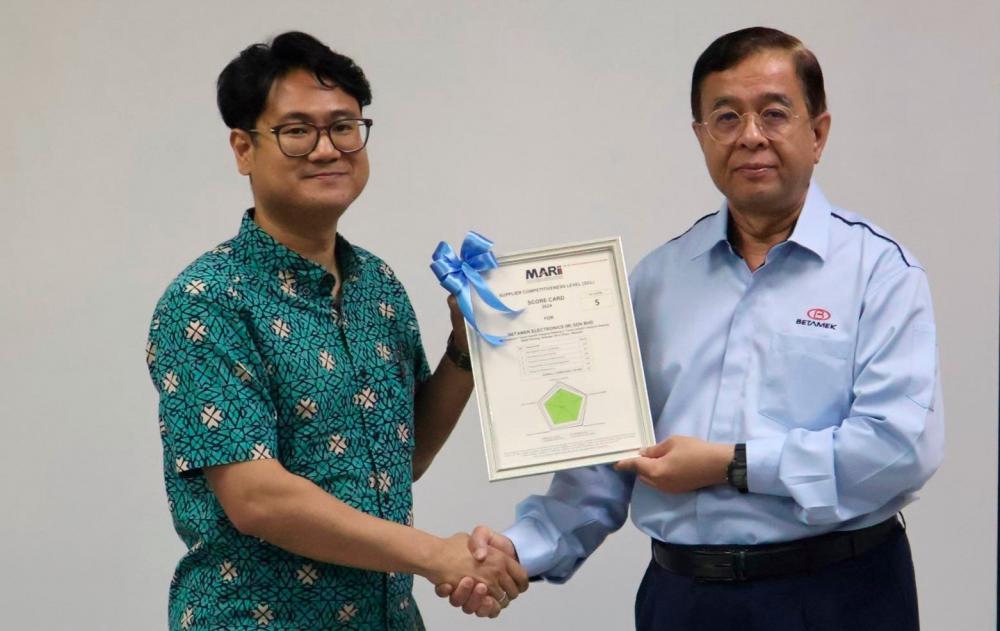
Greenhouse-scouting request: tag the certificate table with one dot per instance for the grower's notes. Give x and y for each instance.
(566, 388)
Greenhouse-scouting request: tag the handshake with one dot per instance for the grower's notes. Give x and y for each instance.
(479, 573)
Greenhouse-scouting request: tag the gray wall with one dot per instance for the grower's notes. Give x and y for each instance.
(116, 173)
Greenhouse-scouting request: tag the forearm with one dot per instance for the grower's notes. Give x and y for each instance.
(295, 514)
(892, 438)
(841, 473)
(556, 532)
(438, 406)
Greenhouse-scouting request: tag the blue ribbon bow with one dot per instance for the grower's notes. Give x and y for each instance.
(456, 274)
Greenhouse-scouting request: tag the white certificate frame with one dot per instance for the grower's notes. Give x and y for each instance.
(482, 360)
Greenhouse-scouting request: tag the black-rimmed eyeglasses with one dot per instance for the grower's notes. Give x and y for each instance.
(295, 140)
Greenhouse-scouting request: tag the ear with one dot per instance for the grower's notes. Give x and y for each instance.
(821, 131)
(699, 132)
(243, 149)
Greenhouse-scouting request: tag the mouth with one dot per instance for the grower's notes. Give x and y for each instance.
(326, 175)
(754, 169)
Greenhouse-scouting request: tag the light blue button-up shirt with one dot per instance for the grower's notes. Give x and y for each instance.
(823, 361)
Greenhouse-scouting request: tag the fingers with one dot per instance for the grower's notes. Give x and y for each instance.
(659, 449)
(457, 319)
(519, 575)
(479, 542)
(640, 466)
(651, 471)
(503, 580)
(503, 544)
(512, 581)
(480, 594)
(489, 609)
(462, 592)
(509, 587)
(625, 465)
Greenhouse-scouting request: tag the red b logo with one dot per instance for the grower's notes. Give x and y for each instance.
(818, 314)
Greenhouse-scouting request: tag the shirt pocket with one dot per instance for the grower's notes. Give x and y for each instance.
(806, 381)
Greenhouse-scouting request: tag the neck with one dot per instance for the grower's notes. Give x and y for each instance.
(753, 234)
(315, 241)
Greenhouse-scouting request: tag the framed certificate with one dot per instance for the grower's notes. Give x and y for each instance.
(566, 389)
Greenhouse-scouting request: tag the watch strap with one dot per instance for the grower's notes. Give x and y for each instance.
(736, 472)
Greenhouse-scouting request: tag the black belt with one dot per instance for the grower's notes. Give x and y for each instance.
(746, 563)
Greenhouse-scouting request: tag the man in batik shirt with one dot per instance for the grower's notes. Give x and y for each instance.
(296, 404)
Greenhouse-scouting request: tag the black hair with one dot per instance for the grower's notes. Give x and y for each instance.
(245, 83)
(732, 48)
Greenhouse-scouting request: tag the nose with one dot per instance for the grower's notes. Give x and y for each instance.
(752, 134)
(325, 149)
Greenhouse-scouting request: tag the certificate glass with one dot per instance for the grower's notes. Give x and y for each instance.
(566, 389)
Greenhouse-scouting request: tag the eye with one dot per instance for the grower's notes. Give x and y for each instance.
(725, 119)
(776, 115)
(345, 127)
(295, 131)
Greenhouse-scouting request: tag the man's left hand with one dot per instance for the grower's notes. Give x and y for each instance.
(458, 325)
(680, 464)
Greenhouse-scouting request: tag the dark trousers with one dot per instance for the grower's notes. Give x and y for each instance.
(872, 592)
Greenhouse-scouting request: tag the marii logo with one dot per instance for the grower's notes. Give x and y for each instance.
(818, 314)
(817, 317)
(543, 272)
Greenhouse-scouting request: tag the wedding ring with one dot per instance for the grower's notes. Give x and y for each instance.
(504, 600)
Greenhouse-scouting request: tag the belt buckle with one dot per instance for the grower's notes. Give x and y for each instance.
(735, 569)
(740, 566)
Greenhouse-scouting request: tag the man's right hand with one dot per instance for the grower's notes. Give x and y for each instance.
(473, 596)
(483, 573)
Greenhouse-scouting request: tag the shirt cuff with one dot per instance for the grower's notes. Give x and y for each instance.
(534, 553)
(763, 461)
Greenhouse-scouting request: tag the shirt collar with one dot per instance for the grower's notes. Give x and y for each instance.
(260, 251)
(812, 228)
(711, 233)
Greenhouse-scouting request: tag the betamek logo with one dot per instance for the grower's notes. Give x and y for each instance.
(542, 273)
(817, 317)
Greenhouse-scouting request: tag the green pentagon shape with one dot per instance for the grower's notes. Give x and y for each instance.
(563, 406)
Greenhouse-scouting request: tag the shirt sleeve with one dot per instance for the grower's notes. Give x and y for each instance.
(892, 440)
(214, 402)
(556, 532)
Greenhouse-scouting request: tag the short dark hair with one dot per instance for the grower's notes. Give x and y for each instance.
(732, 48)
(245, 82)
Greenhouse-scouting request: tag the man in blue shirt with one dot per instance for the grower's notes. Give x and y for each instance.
(790, 357)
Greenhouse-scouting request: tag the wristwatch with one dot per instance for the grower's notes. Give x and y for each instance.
(736, 472)
(457, 356)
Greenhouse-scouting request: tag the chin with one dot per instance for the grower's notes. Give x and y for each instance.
(338, 202)
(328, 210)
(758, 201)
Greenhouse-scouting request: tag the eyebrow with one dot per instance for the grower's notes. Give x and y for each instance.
(767, 97)
(303, 116)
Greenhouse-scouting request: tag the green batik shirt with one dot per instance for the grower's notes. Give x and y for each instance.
(254, 359)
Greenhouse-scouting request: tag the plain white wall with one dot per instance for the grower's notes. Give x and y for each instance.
(532, 122)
